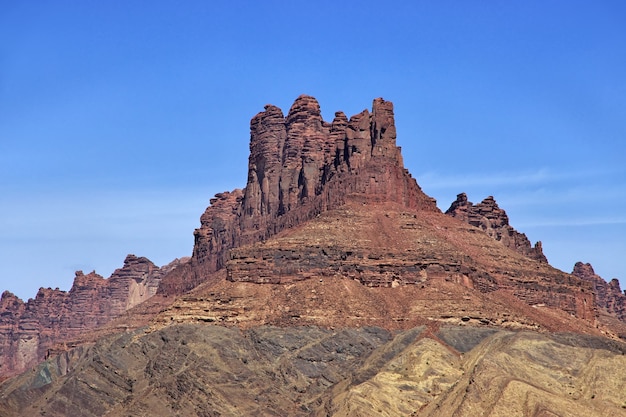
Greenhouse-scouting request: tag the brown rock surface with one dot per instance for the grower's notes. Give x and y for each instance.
(494, 221)
(330, 201)
(28, 330)
(610, 300)
(208, 370)
(382, 264)
(301, 166)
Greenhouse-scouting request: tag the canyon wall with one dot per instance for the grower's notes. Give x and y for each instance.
(29, 329)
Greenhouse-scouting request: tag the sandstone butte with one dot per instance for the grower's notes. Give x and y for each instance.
(330, 285)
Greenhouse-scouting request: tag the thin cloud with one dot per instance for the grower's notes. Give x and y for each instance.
(434, 180)
(575, 222)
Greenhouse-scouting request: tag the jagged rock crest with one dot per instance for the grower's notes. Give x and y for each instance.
(301, 166)
(494, 221)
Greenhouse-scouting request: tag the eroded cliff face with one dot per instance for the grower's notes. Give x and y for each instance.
(334, 200)
(301, 166)
(609, 295)
(28, 330)
(494, 221)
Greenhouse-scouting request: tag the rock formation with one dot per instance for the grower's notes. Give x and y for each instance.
(28, 330)
(609, 296)
(494, 221)
(329, 285)
(301, 166)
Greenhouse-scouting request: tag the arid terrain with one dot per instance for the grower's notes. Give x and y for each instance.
(331, 285)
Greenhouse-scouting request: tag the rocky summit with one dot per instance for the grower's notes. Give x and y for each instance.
(495, 222)
(330, 285)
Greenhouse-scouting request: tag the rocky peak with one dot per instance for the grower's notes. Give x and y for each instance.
(383, 130)
(83, 282)
(486, 214)
(614, 285)
(305, 112)
(136, 268)
(10, 302)
(494, 221)
(609, 296)
(460, 208)
(584, 271)
(299, 167)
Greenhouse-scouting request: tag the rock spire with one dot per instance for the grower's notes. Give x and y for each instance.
(299, 167)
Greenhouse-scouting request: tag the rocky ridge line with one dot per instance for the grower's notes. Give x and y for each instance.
(29, 329)
(494, 221)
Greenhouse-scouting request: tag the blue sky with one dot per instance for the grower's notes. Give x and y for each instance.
(119, 120)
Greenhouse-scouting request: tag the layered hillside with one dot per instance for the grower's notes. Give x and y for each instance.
(204, 370)
(29, 329)
(384, 265)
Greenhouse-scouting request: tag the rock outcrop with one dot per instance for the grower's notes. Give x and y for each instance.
(388, 232)
(29, 329)
(301, 166)
(609, 296)
(494, 221)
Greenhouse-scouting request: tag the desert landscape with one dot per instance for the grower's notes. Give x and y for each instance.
(330, 284)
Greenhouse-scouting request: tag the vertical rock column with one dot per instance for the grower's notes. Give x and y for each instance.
(384, 130)
(267, 140)
(304, 155)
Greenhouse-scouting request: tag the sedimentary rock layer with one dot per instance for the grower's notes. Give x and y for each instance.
(206, 370)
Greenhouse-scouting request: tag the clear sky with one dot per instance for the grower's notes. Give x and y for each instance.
(119, 120)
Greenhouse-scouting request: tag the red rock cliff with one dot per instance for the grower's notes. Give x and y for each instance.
(609, 296)
(299, 167)
(494, 221)
(28, 330)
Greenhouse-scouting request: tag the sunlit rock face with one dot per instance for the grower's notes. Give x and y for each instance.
(209, 370)
(301, 166)
(609, 295)
(29, 329)
(365, 217)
